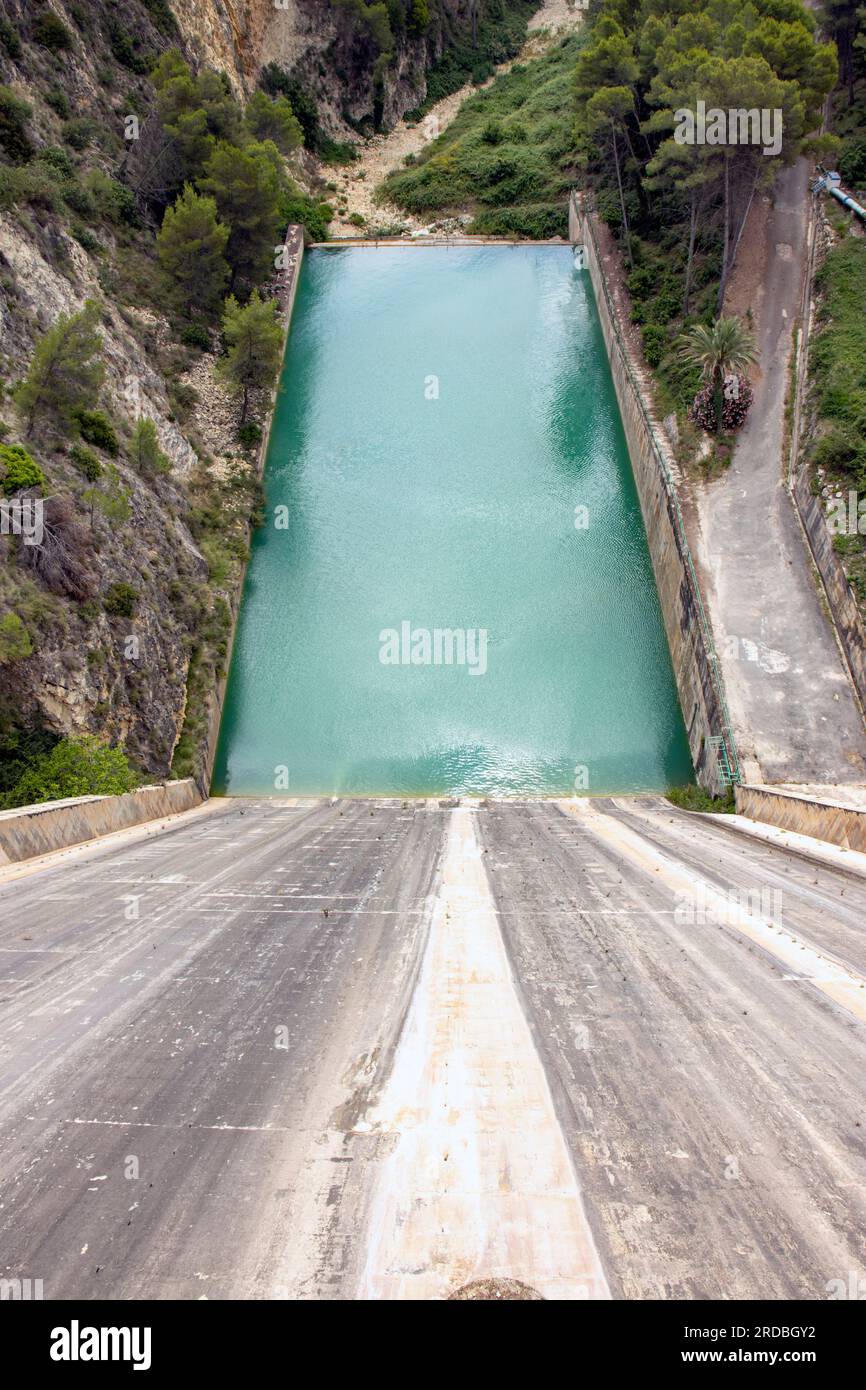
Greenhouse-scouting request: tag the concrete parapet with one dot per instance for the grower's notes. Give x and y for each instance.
(824, 818)
(27, 831)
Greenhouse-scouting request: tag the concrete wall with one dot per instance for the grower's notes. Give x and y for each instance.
(30, 830)
(698, 678)
(844, 607)
(825, 820)
(287, 291)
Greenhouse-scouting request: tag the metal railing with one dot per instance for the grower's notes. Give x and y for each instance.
(723, 743)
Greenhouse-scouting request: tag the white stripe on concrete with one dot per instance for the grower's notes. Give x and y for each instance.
(822, 971)
(479, 1183)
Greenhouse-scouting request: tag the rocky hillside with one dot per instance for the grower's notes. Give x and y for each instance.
(118, 626)
(367, 64)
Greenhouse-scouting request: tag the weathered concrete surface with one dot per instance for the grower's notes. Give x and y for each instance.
(825, 818)
(233, 1009)
(480, 1172)
(33, 830)
(712, 1096)
(155, 1039)
(795, 715)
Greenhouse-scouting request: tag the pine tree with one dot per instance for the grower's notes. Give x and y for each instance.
(144, 449)
(64, 374)
(246, 185)
(272, 118)
(191, 246)
(255, 341)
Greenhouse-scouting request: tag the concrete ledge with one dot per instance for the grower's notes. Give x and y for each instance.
(31, 830)
(836, 822)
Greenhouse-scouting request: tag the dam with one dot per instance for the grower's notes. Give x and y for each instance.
(452, 592)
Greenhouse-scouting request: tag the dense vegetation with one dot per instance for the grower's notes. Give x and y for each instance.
(509, 154)
(837, 355)
(200, 166)
(497, 33)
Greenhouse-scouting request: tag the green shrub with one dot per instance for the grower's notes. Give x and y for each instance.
(78, 198)
(120, 600)
(96, 428)
(694, 798)
(86, 462)
(314, 217)
(249, 434)
(59, 103)
(86, 239)
(15, 643)
(32, 183)
(112, 199)
(50, 31)
(124, 47)
(655, 342)
(78, 132)
(15, 112)
(9, 38)
(539, 221)
(83, 766)
(58, 159)
(19, 469)
(196, 335)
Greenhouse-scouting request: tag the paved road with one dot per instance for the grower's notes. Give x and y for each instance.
(360, 1049)
(790, 696)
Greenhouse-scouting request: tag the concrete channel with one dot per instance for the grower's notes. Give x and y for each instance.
(378, 1049)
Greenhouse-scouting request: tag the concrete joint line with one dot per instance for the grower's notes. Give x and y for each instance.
(479, 1183)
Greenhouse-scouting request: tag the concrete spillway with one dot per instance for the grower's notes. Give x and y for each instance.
(611, 1049)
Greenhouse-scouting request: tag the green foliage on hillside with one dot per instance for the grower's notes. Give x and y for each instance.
(82, 766)
(65, 371)
(837, 359)
(691, 199)
(18, 470)
(498, 32)
(254, 339)
(509, 154)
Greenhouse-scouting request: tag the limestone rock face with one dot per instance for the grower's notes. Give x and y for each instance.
(321, 42)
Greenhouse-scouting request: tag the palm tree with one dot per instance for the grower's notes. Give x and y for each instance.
(724, 350)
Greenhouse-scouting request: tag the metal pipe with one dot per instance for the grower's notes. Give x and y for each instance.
(847, 202)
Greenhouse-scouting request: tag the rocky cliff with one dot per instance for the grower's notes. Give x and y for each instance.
(142, 670)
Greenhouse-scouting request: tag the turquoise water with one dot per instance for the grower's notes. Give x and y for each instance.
(443, 413)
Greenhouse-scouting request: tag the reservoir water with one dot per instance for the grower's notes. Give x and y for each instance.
(452, 591)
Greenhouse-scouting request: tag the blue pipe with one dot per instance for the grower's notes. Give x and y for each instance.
(847, 202)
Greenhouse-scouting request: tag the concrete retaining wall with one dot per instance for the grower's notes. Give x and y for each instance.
(30, 830)
(840, 596)
(287, 291)
(698, 678)
(832, 821)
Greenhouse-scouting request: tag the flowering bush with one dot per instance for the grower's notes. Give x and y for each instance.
(734, 409)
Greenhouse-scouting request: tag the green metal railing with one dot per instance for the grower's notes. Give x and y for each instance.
(723, 744)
